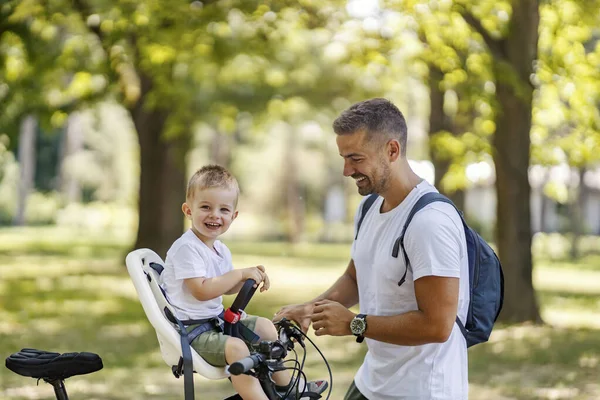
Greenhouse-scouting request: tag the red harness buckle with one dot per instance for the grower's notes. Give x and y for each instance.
(231, 317)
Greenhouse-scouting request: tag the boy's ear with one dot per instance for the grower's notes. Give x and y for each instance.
(235, 214)
(187, 211)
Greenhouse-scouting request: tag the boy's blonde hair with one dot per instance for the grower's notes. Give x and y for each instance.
(211, 176)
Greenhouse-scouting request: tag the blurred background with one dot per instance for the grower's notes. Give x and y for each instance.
(108, 106)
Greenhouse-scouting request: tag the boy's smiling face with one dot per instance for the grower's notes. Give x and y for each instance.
(211, 210)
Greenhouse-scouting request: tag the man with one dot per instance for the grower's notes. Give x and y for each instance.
(416, 351)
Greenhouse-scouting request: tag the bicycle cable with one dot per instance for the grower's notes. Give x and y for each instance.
(324, 359)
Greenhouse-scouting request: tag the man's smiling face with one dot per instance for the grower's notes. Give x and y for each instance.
(365, 162)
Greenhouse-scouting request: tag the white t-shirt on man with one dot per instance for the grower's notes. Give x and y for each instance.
(435, 244)
(187, 258)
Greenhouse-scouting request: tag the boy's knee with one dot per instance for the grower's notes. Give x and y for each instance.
(265, 329)
(235, 349)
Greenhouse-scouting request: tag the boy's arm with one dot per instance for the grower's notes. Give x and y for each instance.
(235, 289)
(257, 273)
(204, 289)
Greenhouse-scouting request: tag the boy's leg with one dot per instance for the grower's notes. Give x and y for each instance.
(219, 350)
(264, 328)
(247, 386)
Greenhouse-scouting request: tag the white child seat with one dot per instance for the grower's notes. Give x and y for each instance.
(145, 280)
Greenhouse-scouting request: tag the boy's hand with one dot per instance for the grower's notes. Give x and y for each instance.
(258, 274)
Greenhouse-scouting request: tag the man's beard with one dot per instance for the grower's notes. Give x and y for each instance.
(381, 184)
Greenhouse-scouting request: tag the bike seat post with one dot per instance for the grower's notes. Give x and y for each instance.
(59, 389)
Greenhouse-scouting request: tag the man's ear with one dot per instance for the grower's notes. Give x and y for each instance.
(393, 150)
(187, 211)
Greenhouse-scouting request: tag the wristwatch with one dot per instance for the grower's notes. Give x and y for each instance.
(358, 326)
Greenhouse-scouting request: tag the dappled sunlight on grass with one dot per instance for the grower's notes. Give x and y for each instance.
(63, 292)
(522, 360)
(567, 280)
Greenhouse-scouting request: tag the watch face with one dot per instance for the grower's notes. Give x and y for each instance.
(357, 326)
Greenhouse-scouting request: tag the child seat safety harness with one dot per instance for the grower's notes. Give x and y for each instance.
(226, 322)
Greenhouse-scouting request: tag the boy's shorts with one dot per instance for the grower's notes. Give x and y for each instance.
(211, 345)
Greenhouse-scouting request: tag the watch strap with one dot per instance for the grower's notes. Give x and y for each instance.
(361, 337)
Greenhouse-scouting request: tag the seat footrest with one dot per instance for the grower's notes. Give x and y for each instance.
(52, 366)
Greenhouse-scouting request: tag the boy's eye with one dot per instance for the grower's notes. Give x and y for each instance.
(225, 210)
(204, 207)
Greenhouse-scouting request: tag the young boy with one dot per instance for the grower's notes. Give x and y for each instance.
(198, 271)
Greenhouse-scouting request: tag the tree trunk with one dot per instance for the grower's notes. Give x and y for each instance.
(221, 149)
(162, 177)
(545, 203)
(73, 141)
(511, 159)
(439, 121)
(27, 138)
(576, 212)
(294, 202)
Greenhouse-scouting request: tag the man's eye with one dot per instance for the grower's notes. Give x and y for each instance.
(356, 160)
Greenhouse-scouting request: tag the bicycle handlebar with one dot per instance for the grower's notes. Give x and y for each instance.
(246, 364)
(275, 350)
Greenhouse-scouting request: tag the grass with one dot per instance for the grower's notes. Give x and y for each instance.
(69, 291)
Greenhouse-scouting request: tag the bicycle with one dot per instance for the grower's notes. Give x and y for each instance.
(266, 357)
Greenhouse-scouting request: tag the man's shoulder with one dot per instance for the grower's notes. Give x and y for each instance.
(435, 216)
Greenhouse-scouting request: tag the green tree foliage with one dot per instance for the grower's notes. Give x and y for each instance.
(566, 114)
(171, 67)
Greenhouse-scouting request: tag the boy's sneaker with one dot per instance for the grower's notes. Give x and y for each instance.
(313, 390)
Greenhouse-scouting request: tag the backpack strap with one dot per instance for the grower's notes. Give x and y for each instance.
(426, 199)
(365, 207)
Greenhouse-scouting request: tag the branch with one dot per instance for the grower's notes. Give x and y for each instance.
(86, 12)
(494, 45)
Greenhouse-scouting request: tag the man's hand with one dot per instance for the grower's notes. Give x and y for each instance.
(299, 313)
(331, 318)
(258, 274)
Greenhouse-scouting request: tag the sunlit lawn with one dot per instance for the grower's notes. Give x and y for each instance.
(69, 291)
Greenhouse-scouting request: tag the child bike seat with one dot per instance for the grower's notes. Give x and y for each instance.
(51, 366)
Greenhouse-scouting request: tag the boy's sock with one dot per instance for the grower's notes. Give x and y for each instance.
(316, 387)
(284, 389)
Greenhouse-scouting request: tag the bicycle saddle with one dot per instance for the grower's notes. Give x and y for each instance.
(51, 366)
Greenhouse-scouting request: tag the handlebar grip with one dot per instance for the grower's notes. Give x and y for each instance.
(244, 296)
(246, 364)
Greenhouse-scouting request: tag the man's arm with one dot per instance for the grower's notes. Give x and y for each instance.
(437, 300)
(432, 322)
(343, 291)
(435, 247)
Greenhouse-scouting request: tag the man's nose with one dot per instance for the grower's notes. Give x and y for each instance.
(348, 170)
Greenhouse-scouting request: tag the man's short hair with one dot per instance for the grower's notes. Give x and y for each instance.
(380, 118)
(211, 176)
